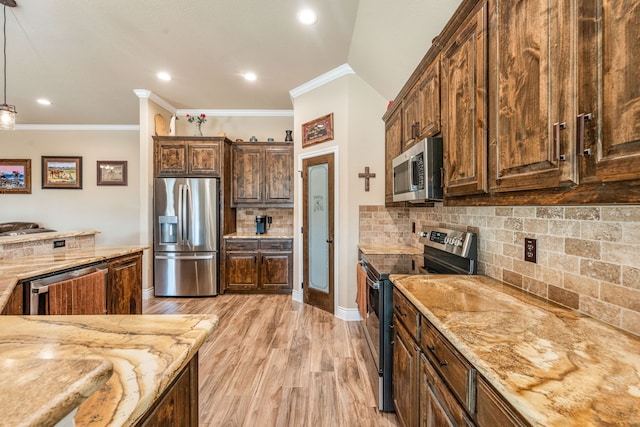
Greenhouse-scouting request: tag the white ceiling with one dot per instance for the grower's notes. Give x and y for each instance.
(87, 57)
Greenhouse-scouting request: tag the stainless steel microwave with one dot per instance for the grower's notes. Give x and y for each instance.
(417, 175)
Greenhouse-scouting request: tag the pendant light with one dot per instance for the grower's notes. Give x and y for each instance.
(7, 112)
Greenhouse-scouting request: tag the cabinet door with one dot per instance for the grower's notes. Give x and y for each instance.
(15, 304)
(241, 271)
(204, 158)
(533, 95)
(438, 407)
(405, 376)
(464, 107)
(170, 158)
(278, 165)
(609, 73)
(411, 118)
(276, 270)
(247, 174)
(124, 290)
(430, 101)
(393, 147)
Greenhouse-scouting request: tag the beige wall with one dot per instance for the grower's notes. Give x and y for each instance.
(112, 210)
(358, 142)
(239, 127)
(588, 256)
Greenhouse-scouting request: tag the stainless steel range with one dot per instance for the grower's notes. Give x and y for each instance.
(445, 252)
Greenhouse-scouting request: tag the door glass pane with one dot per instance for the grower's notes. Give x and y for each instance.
(318, 227)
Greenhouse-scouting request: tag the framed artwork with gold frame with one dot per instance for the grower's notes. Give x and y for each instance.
(15, 176)
(62, 172)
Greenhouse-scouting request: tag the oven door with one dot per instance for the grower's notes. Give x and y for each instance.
(372, 325)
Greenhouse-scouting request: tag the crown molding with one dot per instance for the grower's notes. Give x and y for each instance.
(336, 73)
(80, 127)
(144, 93)
(235, 113)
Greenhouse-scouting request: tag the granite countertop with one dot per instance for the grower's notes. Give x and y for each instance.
(68, 382)
(13, 270)
(555, 366)
(145, 352)
(388, 249)
(257, 236)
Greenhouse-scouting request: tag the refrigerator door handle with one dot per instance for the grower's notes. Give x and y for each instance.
(183, 257)
(188, 211)
(180, 216)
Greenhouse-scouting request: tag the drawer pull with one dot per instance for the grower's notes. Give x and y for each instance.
(400, 311)
(432, 349)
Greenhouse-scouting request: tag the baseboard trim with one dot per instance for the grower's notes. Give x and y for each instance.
(147, 293)
(297, 295)
(348, 314)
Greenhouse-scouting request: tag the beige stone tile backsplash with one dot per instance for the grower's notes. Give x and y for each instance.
(282, 223)
(588, 257)
(45, 246)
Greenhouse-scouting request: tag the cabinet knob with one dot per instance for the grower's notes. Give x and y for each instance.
(329, 240)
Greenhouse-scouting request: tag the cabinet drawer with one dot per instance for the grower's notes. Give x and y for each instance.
(493, 410)
(241, 245)
(453, 368)
(406, 312)
(284, 245)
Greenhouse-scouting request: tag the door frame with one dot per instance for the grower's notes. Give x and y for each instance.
(299, 295)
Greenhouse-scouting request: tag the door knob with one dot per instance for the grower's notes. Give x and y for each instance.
(329, 240)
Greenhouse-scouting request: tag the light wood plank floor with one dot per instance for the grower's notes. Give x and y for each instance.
(275, 362)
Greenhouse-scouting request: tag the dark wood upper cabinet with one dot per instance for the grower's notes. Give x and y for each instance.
(411, 118)
(429, 94)
(532, 95)
(184, 156)
(262, 174)
(464, 106)
(393, 147)
(609, 90)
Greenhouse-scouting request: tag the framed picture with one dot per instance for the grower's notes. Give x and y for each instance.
(62, 172)
(318, 130)
(112, 172)
(15, 176)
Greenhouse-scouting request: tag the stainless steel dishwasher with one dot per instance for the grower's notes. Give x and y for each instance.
(39, 289)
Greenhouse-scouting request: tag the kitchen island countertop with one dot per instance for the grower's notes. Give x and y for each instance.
(145, 352)
(257, 236)
(554, 365)
(12, 270)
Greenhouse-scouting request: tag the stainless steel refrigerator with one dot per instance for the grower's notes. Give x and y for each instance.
(186, 238)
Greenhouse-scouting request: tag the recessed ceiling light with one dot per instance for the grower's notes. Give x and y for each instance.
(250, 76)
(43, 101)
(307, 17)
(164, 76)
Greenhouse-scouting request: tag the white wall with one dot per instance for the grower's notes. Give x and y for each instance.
(359, 141)
(112, 210)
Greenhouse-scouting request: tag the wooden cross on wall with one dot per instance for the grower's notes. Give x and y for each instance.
(366, 175)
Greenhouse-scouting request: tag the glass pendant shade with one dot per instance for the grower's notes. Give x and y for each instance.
(7, 117)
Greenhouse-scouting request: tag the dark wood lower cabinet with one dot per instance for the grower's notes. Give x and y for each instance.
(124, 289)
(405, 375)
(258, 265)
(493, 410)
(434, 385)
(178, 405)
(15, 305)
(438, 407)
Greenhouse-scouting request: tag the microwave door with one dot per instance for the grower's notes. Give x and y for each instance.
(417, 172)
(401, 181)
